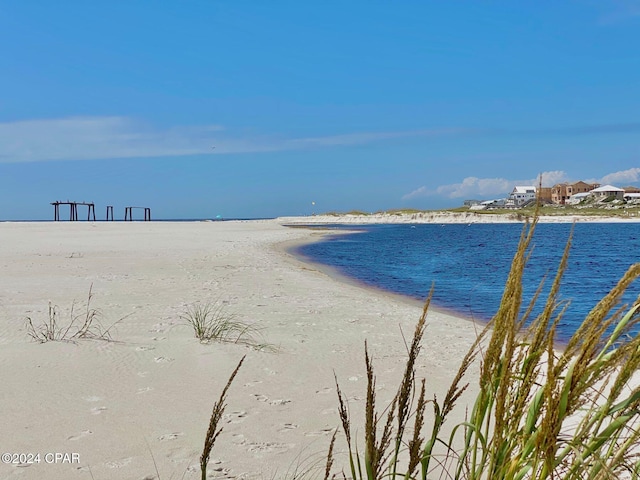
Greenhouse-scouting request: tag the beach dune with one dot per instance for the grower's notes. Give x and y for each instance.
(138, 407)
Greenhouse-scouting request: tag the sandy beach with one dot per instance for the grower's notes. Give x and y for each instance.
(118, 407)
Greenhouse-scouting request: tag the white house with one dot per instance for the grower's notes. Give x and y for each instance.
(632, 196)
(576, 198)
(607, 191)
(521, 195)
(488, 204)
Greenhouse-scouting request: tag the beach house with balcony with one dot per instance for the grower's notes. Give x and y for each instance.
(561, 192)
(521, 195)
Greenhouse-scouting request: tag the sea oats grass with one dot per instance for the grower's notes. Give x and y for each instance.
(214, 430)
(212, 323)
(84, 325)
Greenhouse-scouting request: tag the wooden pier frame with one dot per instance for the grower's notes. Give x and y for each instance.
(73, 210)
(109, 213)
(128, 213)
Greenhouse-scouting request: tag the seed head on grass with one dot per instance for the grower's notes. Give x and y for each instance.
(216, 415)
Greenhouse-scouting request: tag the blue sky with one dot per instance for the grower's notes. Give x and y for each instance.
(362, 105)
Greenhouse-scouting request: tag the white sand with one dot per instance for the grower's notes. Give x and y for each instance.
(120, 406)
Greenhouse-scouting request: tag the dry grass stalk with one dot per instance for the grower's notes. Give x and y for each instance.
(211, 323)
(85, 325)
(327, 469)
(216, 415)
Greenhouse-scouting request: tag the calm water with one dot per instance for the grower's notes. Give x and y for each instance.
(468, 264)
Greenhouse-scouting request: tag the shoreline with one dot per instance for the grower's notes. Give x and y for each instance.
(146, 397)
(446, 218)
(338, 276)
(334, 273)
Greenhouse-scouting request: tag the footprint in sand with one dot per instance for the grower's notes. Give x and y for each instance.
(159, 328)
(220, 471)
(235, 417)
(287, 427)
(239, 439)
(82, 434)
(163, 359)
(319, 433)
(264, 398)
(266, 447)
(144, 390)
(252, 384)
(97, 410)
(145, 348)
(119, 463)
(325, 390)
(170, 436)
(143, 374)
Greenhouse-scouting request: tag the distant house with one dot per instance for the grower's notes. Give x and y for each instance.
(521, 195)
(470, 203)
(607, 191)
(488, 204)
(581, 187)
(577, 198)
(544, 194)
(561, 192)
(631, 189)
(631, 196)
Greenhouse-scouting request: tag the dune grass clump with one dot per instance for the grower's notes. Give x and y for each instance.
(212, 323)
(84, 325)
(539, 412)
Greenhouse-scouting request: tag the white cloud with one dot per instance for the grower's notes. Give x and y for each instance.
(471, 187)
(79, 138)
(418, 192)
(89, 138)
(622, 177)
(485, 187)
(552, 177)
(475, 186)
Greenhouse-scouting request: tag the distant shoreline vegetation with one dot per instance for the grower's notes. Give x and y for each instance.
(464, 214)
(624, 211)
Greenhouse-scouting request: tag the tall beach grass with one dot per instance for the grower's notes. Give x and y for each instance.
(86, 324)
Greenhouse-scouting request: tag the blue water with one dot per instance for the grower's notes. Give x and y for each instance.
(468, 264)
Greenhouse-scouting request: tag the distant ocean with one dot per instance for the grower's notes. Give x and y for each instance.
(468, 264)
